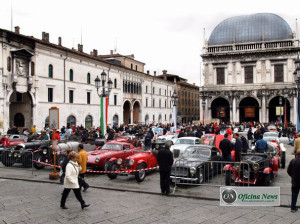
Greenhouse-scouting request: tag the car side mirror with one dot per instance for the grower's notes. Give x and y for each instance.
(176, 153)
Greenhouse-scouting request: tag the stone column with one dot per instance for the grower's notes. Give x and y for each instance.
(263, 110)
(131, 116)
(295, 111)
(234, 118)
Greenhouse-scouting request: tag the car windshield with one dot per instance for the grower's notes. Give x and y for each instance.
(185, 141)
(271, 135)
(252, 158)
(196, 152)
(14, 138)
(208, 136)
(112, 147)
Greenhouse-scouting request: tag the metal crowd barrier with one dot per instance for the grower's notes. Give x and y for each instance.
(210, 173)
(12, 158)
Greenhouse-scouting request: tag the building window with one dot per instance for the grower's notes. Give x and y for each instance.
(71, 95)
(165, 92)
(131, 66)
(146, 89)
(153, 103)
(165, 117)
(19, 97)
(115, 83)
(159, 103)
(50, 94)
(71, 75)
(153, 117)
(159, 91)
(220, 76)
(248, 74)
(153, 90)
(115, 100)
(32, 68)
(136, 67)
(88, 98)
(170, 104)
(71, 121)
(146, 102)
(50, 71)
(47, 121)
(125, 87)
(278, 72)
(9, 64)
(165, 104)
(88, 122)
(88, 78)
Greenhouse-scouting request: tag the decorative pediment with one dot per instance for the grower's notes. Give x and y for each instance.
(22, 52)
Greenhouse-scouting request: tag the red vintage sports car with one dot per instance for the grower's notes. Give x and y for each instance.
(137, 161)
(99, 158)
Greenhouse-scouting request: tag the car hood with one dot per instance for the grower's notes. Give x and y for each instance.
(180, 146)
(102, 152)
(189, 162)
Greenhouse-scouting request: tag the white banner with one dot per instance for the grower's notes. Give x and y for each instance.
(249, 196)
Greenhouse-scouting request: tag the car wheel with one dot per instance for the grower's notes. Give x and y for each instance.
(26, 160)
(7, 160)
(228, 178)
(106, 165)
(60, 159)
(267, 179)
(140, 175)
(38, 157)
(112, 167)
(200, 176)
(283, 160)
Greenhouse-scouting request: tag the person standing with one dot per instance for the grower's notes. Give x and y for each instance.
(226, 147)
(297, 143)
(250, 136)
(64, 165)
(165, 161)
(261, 145)
(71, 182)
(293, 171)
(82, 160)
(238, 146)
(148, 143)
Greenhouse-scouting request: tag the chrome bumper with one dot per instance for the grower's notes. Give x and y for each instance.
(183, 178)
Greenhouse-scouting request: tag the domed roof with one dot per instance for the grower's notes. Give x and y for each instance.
(250, 28)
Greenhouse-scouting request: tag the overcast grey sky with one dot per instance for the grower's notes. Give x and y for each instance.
(165, 34)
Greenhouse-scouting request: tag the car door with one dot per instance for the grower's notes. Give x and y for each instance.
(215, 158)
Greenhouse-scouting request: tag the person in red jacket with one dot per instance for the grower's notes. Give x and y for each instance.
(57, 136)
(4, 141)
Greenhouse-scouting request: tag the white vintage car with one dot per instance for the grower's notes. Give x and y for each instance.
(167, 137)
(184, 142)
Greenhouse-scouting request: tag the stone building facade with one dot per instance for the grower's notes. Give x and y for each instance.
(248, 65)
(188, 109)
(36, 75)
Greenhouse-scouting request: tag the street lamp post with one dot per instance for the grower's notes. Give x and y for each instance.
(174, 99)
(297, 81)
(203, 108)
(103, 98)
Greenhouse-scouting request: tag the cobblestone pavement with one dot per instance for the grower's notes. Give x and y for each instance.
(29, 202)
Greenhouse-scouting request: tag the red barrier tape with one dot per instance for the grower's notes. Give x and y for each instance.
(96, 171)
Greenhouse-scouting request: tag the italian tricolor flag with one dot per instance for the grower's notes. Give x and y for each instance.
(103, 114)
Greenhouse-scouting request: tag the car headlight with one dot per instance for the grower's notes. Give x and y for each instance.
(192, 170)
(119, 161)
(255, 166)
(246, 174)
(12, 150)
(237, 166)
(45, 151)
(131, 162)
(97, 160)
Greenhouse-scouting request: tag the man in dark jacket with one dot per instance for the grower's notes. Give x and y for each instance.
(245, 143)
(261, 145)
(226, 147)
(293, 171)
(148, 143)
(238, 146)
(165, 161)
(250, 136)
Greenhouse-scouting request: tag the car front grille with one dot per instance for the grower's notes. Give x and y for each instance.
(179, 171)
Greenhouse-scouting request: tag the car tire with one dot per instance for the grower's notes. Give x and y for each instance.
(283, 160)
(228, 178)
(267, 179)
(60, 159)
(26, 159)
(38, 157)
(140, 175)
(106, 165)
(112, 167)
(7, 160)
(200, 176)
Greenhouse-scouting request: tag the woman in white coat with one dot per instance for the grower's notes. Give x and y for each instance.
(71, 181)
